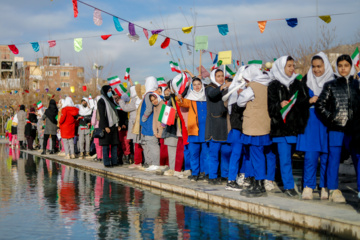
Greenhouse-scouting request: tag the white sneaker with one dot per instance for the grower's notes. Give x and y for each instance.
(324, 194)
(152, 168)
(187, 173)
(240, 179)
(177, 174)
(169, 172)
(307, 194)
(61, 154)
(269, 185)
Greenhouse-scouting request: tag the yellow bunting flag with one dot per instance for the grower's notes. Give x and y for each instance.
(187, 30)
(72, 89)
(262, 25)
(152, 39)
(78, 44)
(326, 18)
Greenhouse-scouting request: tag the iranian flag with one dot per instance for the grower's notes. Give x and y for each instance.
(256, 62)
(115, 80)
(175, 67)
(181, 83)
(167, 115)
(39, 105)
(120, 89)
(127, 74)
(229, 71)
(161, 82)
(285, 110)
(355, 57)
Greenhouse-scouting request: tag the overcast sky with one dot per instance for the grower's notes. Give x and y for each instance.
(24, 21)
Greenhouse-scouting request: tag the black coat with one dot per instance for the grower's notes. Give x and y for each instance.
(338, 103)
(236, 117)
(111, 138)
(298, 116)
(216, 122)
(30, 131)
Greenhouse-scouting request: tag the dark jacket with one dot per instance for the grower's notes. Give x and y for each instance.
(298, 116)
(111, 138)
(337, 104)
(30, 131)
(236, 117)
(123, 118)
(216, 122)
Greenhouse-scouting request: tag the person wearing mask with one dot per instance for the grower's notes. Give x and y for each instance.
(284, 133)
(337, 105)
(85, 113)
(50, 126)
(109, 123)
(21, 116)
(314, 141)
(30, 128)
(216, 129)
(67, 124)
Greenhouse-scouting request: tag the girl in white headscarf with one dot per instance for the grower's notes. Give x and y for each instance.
(314, 141)
(287, 125)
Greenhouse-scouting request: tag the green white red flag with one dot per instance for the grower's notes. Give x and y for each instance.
(355, 57)
(39, 105)
(161, 82)
(285, 110)
(167, 115)
(175, 67)
(182, 82)
(127, 74)
(116, 85)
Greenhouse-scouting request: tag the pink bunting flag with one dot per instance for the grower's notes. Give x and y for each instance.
(146, 33)
(97, 17)
(52, 43)
(105, 37)
(14, 49)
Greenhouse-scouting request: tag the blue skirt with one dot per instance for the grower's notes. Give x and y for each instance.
(286, 139)
(263, 140)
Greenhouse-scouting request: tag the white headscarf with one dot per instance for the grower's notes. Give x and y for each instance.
(352, 71)
(213, 78)
(61, 103)
(316, 84)
(157, 96)
(151, 84)
(85, 111)
(277, 72)
(134, 96)
(238, 79)
(196, 96)
(68, 102)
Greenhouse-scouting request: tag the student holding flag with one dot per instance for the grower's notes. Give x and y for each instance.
(216, 130)
(337, 105)
(314, 141)
(285, 127)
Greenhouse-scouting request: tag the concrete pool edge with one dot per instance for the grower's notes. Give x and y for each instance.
(341, 222)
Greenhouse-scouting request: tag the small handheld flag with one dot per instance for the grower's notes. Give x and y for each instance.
(285, 110)
(167, 115)
(127, 74)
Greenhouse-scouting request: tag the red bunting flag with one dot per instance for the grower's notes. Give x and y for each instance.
(146, 33)
(238, 62)
(75, 8)
(105, 37)
(211, 56)
(84, 88)
(52, 43)
(27, 91)
(166, 43)
(14, 49)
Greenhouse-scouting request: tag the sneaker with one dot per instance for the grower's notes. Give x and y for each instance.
(183, 175)
(258, 190)
(81, 155)
(61, 154)
(214, 181)
(233, 186)
(336, 196)
(202, 176)
(248, 181)
(72, 156)
(132, 166)
(193, 178)
(177, 174)
(67, 156)
(206, 178)
(324, 195)
(187, 173)
(169, 172)
(43, 152)
(152, 168)
(307, 194)
(291, 193)
(269, 185)
(240, 179)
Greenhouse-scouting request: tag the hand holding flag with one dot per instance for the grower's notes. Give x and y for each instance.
(286, 109)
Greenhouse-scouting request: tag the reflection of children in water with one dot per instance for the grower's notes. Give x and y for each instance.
(67, 195)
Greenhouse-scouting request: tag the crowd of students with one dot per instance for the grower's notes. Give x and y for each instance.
(235, 130)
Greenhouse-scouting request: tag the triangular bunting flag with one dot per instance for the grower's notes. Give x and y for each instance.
(146, 33)
(117, 24)
(223, 29)
(13, 49)
(78, 44)
(52, 43)
(187, 30)
(262, 25)
(105, 37)
(35, 46)
(152, 39)
(292, 22)
(157, 31)
(326, 18)
(97, 17)
(166, 43)
(75, 8)
(180, 43)
(132, 29)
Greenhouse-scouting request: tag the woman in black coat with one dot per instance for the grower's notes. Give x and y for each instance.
(30, 128)
(337, 105)
(109, 123)
(284, 131)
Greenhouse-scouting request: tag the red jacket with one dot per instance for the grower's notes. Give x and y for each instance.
(67, 122)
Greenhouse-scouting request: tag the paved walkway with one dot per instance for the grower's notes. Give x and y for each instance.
(341, 220)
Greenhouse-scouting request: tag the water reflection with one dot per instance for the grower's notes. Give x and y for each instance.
(42, 199)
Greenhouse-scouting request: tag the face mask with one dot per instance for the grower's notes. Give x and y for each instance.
(85, 105)
(109, 94)
(167, 98)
